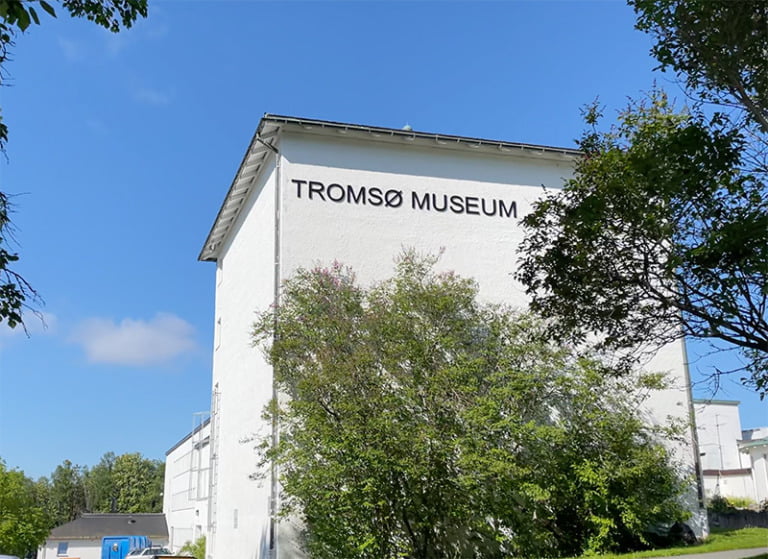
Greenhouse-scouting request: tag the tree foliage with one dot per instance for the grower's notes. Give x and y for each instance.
(128, 483)
(67, 492)
(24, 523)
(16, 16)
(663, 230)
(420, 423)
(718, 47)
(14, 289)
(138, 483)
(100, 487)
(196, 549)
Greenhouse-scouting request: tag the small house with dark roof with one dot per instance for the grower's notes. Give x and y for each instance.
(82, 537)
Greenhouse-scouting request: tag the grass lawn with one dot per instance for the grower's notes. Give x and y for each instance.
(717, 541)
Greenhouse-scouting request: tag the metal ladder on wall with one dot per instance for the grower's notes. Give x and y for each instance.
(214, 465)
(196, 491)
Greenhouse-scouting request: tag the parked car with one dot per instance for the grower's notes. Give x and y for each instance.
(147, 552)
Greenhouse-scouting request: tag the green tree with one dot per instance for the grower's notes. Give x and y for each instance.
(717, 47)
(16, 16)
(421, 423)
(137, 483)
(24, 524)
(663, 229)
(67, 492)
(100, 487)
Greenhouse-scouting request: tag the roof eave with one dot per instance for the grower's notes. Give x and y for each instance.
(267, 134)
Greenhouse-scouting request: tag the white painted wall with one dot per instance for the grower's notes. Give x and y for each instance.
(368, 238)
(719, 428)
(77, 549)
(242, 381)
(186, 491)
(759, 458)
(735, 464)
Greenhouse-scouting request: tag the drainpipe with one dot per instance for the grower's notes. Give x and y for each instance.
(274, 487)
(695, 441)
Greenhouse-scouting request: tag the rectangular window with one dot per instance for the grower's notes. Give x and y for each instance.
(235, 523)
(62, 549)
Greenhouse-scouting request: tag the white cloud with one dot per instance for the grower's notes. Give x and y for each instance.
(151, 96)
(135, 342)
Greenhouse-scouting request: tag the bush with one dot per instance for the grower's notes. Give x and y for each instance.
(718, 503)
(196, 550)
(423, 423)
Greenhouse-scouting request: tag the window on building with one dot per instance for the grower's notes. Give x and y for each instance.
(62, 549)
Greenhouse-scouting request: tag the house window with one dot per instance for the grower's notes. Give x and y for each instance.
(62, 549)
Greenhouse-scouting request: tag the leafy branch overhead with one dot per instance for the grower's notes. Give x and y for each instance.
(663, 229)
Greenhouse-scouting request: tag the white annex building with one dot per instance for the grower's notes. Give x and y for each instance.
(187, 484)
(311, 192)
(734, 460)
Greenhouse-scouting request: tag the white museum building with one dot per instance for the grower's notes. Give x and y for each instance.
(310, 192)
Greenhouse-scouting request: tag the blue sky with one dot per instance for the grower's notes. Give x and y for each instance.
(122, 147)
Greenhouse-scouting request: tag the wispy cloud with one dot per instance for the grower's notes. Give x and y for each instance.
(151, 96)
(135, 342)
(72, 50)
(116, 43)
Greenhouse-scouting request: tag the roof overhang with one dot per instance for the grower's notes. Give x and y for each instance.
(756, 443)
(265, 141)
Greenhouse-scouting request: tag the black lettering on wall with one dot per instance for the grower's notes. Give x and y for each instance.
(422, 204)
(316, 188)
(357, 198)
(437, 207)
(298, 184)
(509, 212)
(374, 196)
(337, 189)
(486, 211)
(472, 205)
(393, 198)
(457, 204)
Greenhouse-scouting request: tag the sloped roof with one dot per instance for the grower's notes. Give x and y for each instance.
(90, 526)
(267, 134)
(189, 435)
(709, 401)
